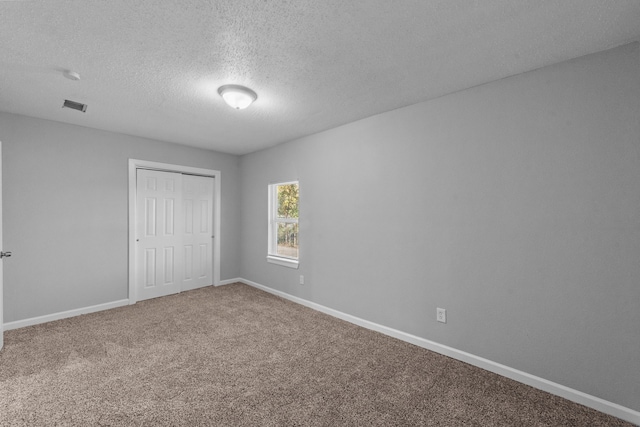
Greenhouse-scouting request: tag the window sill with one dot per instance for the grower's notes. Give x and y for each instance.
(285, 262)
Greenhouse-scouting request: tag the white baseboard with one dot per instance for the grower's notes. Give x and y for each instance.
(585, 399)
(86, 310)
(230, 281)
(64, 314)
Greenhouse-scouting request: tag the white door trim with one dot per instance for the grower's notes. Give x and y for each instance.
(1, 261)
(135, 164)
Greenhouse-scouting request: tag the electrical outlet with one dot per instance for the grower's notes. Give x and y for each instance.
(441, 315)
(301, 279)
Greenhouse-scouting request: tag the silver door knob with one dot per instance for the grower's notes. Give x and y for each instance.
(5, 255)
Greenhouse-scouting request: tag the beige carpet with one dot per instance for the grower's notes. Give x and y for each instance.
(237, 356)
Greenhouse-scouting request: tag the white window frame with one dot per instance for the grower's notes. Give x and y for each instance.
(272, 252)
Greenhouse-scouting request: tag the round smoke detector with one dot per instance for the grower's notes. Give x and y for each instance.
(71, 75)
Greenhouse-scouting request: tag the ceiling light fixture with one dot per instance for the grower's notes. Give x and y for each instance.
(238, 97)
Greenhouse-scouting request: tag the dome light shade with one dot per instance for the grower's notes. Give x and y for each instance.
(238, 97)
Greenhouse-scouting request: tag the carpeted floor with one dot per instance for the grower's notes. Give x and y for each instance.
(237, 356)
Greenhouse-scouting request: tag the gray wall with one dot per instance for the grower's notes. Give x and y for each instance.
(515, 205)
(65, 205)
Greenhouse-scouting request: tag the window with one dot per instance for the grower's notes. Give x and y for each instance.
(283, 224)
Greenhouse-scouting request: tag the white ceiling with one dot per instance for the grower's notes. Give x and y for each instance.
(151, 68)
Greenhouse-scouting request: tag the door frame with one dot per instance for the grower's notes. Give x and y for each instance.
(1, 261)
(134, 165)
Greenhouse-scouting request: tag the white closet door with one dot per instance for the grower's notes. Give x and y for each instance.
(197, 206)
(159, 257)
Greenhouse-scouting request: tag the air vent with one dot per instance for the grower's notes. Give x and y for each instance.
(74, 105)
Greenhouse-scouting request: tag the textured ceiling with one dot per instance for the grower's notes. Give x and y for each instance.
(151, 68)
